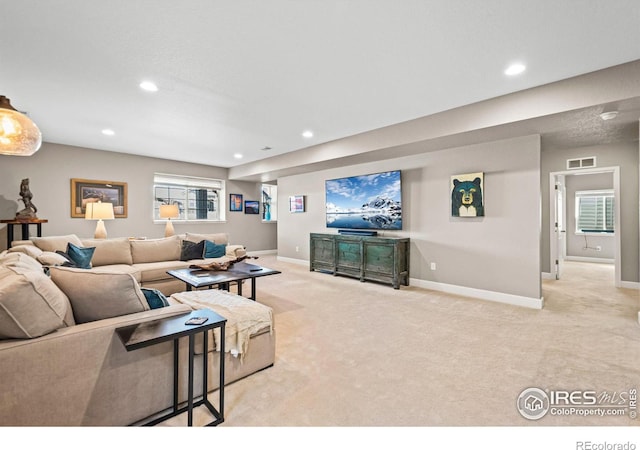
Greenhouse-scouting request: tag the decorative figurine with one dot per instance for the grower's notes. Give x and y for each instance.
(30, 210)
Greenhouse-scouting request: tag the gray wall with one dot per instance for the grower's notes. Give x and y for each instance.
(499, 252)
(50, 172)
(624, 155)
(576, 242)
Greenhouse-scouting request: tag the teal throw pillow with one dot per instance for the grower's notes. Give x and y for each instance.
(191, 250)
(213, 250)
(155, 298)
(81, 256)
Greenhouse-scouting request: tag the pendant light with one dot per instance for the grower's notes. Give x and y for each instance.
(19, 136)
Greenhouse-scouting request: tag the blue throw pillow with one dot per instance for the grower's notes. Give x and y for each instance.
(155, 298)
(81, 256)
(213, 250)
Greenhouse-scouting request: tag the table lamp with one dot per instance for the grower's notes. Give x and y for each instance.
(169, 212)
(99, 211)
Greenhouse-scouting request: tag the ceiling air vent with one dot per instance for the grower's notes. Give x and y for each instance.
(581, 163)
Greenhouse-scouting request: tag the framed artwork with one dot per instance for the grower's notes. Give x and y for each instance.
(251, 207)
(296, 203)
(466, 195)
(89, 191)
(235, 202)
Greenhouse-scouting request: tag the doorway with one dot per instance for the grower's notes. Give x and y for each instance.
(558, 226)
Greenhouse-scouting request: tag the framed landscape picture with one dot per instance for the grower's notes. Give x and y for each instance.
(90, 191)
(235, 202)
(296, 203)
(251, 207)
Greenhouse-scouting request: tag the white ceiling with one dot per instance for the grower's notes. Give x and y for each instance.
(236, 76)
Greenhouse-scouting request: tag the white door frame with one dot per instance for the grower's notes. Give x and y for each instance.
(553, 247)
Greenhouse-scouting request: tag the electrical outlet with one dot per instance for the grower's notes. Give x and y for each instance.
(297, 249)
(433, 266)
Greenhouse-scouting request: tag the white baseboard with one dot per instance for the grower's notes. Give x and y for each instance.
(510, 299)
(548, 276)
(301, 262)
(589, 259)
(262, 252)
(629, 285)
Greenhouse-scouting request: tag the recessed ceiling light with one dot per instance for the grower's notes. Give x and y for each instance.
(608, 115)
(515, 69)
(307, 134)
(108, 132)
(237, 156)
(149, 86)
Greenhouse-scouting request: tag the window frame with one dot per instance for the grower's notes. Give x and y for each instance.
(185, 182)
(608, 209)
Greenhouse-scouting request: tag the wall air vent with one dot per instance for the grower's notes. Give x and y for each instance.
(581, 163)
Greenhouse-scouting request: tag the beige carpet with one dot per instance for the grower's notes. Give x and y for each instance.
(352, 354)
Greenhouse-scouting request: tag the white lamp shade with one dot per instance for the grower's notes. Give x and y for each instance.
(19, 136)
(169, 211)
(99, 210)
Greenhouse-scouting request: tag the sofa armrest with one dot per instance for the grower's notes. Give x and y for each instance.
(235, 251)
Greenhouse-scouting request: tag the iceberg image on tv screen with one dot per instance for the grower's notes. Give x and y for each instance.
(365, 202)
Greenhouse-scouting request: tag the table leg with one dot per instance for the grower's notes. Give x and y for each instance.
(176, 360)
(25, 231)
(253, 288)
(39, 229)
(222, 353)
(205, 363)
(239, 287)
(190, 386)
(9, 234)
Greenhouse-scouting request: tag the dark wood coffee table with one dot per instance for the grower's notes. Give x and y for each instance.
(198, 278)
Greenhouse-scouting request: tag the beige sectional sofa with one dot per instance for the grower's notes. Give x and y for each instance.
(148, 260)
(61, 362)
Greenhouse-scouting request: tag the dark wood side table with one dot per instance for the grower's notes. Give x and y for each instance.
(172, 329)
(25, 227)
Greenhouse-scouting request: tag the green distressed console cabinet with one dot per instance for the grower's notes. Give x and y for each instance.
(382, 259)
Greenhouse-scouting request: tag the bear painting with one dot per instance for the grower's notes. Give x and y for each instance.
(466, 195)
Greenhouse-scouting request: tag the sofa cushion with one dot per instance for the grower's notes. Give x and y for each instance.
(53, 243)
(154, 250)
(99, 295)
(31, 305)
(52, 259)
(218, 238)
(110, 251)
(155, 298)
(30, 250)
(119, 268)
(191, 250)
(157, 271)
(213, 250)
(20, 260)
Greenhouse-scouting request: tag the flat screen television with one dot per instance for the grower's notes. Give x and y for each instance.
(368, 202)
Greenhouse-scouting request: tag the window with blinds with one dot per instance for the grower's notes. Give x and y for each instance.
(198, 199)
(595, 211)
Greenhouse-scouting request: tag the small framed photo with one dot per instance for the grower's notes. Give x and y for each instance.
(296, 203)
(251, 207)
(235, 202)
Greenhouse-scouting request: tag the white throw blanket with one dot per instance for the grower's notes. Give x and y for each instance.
(244, 316)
